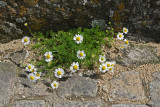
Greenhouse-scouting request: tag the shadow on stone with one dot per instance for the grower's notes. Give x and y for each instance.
(22, 75)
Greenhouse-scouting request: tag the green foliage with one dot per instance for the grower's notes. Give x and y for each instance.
(64, 48)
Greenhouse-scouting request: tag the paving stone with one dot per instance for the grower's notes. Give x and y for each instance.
(128, 105)
(27, 103)
(19, 56)
(24, 87)
(78, 86)
(154, 87)
(138, 55)
(156, 75)
(7, 75)
(93, 103)
(127, 86)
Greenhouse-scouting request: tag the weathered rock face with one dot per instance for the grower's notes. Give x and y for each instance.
(7, 76)
(138, 55)
(140, 16)
(127, 86)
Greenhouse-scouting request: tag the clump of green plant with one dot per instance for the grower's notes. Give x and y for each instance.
(64, 49)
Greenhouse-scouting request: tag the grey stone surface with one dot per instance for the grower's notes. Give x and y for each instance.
(127, 86)
(2, 3)
(102, 24)
(24, 87)
(129, 105)
(92, 103)
(7, 75)
(19, 56)
(138, 55)
(27, 103)
(154, 88)
(156, 75)
(78, 86)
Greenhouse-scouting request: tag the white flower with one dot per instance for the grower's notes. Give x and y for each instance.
(25, 40)
(111, 69)
(38, 74)
(30, 67)
(33, 70)
(103, 68)
(25, 24)
(48, 56)
(122, 46)
(54, 84)
(93, 55)
(32, 77)
(113, 63)
(78, 38)
(108, 64)
(81, 54)
(120, 36)
(126, 42)
(102, 58)
(59, 73)
(74, 67)
(125, 30)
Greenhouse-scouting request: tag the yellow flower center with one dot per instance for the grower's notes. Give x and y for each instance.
(120, 35)
(59, 72)
(32, 70)
(110, 69)
(78, 38)
(103, 67)
(55, 85)
(75, 67)
(32, 77)
(102, 59)
(29, 67)
(37, 74)
(112, 64)
(125, 30)
(48, 56)
(25, 40)
(93, 56)
(108, 65)
(122, 47)
(25, 24)
(81, 54)
(126, 42)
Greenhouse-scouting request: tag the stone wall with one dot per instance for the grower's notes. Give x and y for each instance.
(142, 17)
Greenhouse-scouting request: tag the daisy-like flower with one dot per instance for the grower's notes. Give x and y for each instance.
(81, 54)
(102, 58)
(125, 30)
(30, 67)
(25, 40)
(122, 46)
(54, 84)
(59, 73)
(32, 77)
(108, 64)
(74, 67)
(93, 55)
(103, 68)
(126, 42)
(111, 69)
(38, 74)
(33, 70)
(113, 63)
(78, 38)
(25, 24)
(120, 36)
(48, 56)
